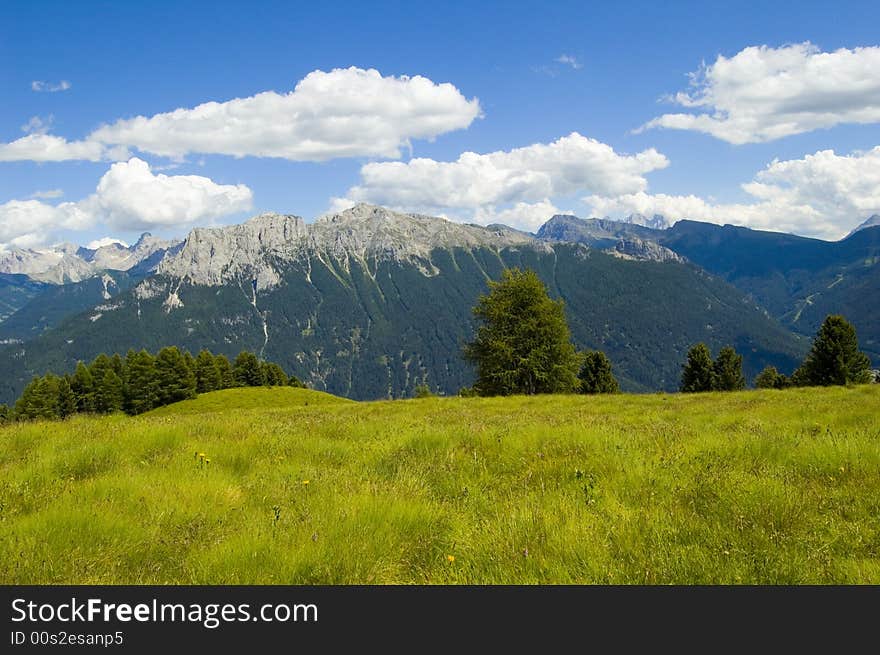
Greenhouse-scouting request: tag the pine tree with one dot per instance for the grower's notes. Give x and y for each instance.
(39, 400)
(83, 386)
(207, 372)
(174, 378)
(273, 375)
(66, 400)
(118, 365)
(190, 361)
(294, 381)
(727, 372)
(141, 388)
(697, 374)
(100, 365)
(834, 357)
(224, 368)
(595, 375)
(247, 370)
(523, 344)
(770, 378)
(108, 392)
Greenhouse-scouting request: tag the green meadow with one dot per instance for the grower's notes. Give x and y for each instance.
(292, 486)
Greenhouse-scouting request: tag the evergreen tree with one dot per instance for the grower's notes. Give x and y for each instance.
(207, 372)
(697, 374)
(247, 370)
(727, 371)
(108, 392)
(273, 375)
(118, 365)
(834, 357)
(66, 399)
(175, 380)
(224, 368)
(98, 367)
(83, 386)
(39, 400)
(190, 361)
(294, 381)
(141, 388)
(523, 344)
(595, 375)
(770, 378)
(5, 414)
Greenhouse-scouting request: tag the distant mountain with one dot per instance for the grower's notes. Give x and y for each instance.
(52, 303)
(16, 290)
(369, 303)
(798, 280)
(623, 238)
(66, 263)
(871, 221)
(655, 222)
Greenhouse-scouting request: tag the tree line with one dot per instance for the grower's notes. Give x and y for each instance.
(140, 382)
(523, 346)
(834, 359)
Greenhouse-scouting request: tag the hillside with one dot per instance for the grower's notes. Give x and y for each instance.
(371, 303)
(369, 332)
(751, 487)
(799, 280)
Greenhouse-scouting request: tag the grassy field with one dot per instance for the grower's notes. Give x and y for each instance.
(302, 487)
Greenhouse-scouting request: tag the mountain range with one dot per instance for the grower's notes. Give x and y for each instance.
(369, 302)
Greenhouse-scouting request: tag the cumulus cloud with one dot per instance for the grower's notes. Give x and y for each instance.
(46, 147)
(105, 241)
(49, 87)
(479, 186)
(344, 113)
(29, 223)
(762, 93)
(129, 196)
(569, 60)
(348, 112)
(528, 216)
(823, 195)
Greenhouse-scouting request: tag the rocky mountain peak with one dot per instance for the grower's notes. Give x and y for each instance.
(871, 221)
(258, 247)
(655, 222)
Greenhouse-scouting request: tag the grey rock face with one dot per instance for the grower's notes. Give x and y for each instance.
(67, 263)
(258, 247)
(635, 248)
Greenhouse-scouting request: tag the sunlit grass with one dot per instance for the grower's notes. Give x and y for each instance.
(302, 488)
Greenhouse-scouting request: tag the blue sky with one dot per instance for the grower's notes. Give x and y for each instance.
(123, 60)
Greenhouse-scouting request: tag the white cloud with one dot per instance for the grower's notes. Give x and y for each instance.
(522, 215)
(29, 223)
(823, 195)
(344, 113)
(49, 87)
(570, 61)
(48, 194)
(46, 147)
(762, 93)
(105, 241)
(128, 197)
(481, 185)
